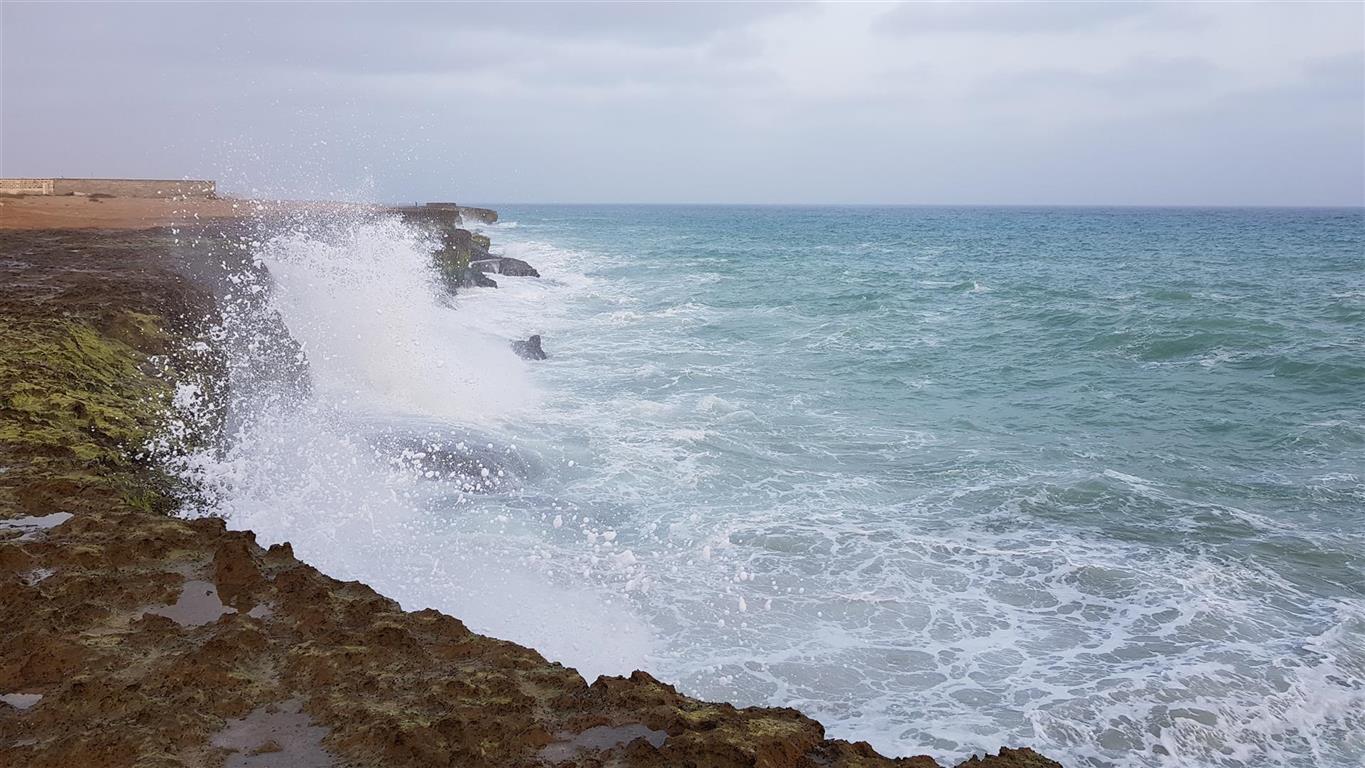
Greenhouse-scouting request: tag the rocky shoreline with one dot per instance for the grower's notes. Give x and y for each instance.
(134, 637)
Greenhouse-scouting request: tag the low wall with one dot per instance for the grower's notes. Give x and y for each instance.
(25, 186)
(115, 187)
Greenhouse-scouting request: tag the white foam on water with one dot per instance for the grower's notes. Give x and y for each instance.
(892, 615)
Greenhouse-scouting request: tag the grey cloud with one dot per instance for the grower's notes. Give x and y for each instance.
(1007, 18)
(377, 37)
(727, 103)
(1341, 77)
(1134, 77)
(659, 23)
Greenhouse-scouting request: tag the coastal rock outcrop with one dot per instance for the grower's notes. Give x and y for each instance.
(468, 213)
(462, 258)
(530, 349)
(505, 265)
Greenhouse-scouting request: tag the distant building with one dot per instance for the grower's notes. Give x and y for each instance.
(113, 187)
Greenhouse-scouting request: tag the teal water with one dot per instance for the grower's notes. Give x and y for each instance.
(1089, 480)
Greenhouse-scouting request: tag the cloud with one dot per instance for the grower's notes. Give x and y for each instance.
(1008, 18)
(728, 102)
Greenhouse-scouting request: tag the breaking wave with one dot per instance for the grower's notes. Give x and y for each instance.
(935, 515)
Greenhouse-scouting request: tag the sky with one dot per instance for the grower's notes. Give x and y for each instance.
(1232, 103)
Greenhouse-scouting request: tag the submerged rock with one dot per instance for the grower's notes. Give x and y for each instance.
(476, 464)
(529, 349)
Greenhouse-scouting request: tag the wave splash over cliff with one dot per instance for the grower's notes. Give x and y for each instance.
(796, 458)
(369, 428)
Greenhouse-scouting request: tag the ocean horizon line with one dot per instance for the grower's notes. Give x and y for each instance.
(954, 206)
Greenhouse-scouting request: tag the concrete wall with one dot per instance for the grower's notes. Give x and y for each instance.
(25, 186)
(115, 187)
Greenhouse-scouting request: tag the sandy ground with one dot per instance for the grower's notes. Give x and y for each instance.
(79, 212)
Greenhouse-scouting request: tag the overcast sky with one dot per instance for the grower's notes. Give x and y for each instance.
(1092, 103)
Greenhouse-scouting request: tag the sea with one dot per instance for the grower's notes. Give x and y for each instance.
(1090, 480)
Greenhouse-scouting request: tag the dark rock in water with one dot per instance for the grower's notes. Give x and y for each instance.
(473, 278)
(505, 265)
(529, 349)
(516, 268)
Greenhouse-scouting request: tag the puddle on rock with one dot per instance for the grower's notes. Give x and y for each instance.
(274, 735)
(198, 605)
(21, 700)
(35, 576)
(31, 526)
(600, 738)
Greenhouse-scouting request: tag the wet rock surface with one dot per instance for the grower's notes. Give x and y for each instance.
(20, 700)
(32, 526)
(158, 641)
(600, 738)
(474, 278)
(197, 604)
(530, 349)
(505, 265)
(277, 734)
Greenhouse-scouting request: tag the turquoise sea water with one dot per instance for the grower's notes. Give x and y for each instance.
(1091, 480)
(1098, 472)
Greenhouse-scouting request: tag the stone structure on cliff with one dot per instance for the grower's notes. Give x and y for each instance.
(468, 213)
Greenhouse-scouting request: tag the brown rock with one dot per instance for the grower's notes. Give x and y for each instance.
(237, 573)
(1023, 757)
